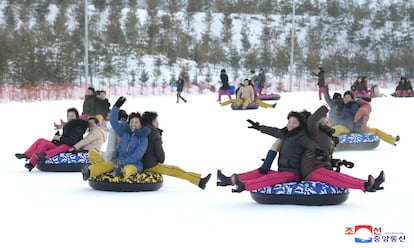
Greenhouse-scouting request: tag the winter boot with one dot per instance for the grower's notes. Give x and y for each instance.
(85, 172)
(21, 156)
(222, 180)
(378, 181)
(239, 184)
(369, 184)
(41, 158)
(204, 181)
(118, 171)
(29, 166)
(267, 162)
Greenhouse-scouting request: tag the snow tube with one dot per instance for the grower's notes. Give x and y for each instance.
(308, 193)
(272, 96)
(250, 106)
(146, 181)
(65, 162)
(357, 141)
(232, 91)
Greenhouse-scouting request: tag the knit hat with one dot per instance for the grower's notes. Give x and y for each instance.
(100, 118)
(122, 115)
(336, 95)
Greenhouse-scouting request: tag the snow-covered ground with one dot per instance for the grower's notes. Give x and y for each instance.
(42, 209)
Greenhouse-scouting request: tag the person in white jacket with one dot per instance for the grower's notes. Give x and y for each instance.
(95, 138)
(113, 138)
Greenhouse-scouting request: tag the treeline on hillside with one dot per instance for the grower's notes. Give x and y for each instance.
(43, 41)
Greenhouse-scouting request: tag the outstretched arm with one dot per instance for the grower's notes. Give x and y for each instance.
(328, 98)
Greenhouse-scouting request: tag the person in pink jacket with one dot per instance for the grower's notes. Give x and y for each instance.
(361, 122)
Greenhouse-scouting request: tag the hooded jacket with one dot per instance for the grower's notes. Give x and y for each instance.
(94, 140)
(132, 145)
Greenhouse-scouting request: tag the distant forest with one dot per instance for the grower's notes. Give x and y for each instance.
(43, 41)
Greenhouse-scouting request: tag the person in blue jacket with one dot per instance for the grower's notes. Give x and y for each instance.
(132, 146)
(347, 114)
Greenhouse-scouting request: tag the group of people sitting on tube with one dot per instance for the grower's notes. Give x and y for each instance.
(350, 115)
(70, 140)
(134, 146)
(305, 146)
(246, 94)
(404, 88)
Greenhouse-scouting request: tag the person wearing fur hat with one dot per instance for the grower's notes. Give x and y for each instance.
(95, 138)
(314, 169)
(321, 81)
(43, 149)
(132, 146)
(154, 157)
(293, 143)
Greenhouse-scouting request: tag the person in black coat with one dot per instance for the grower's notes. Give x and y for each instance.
(154, 156)
(43, 149)
(347, 114)
(225, 86)
(102, 105)
(88, 107)
(293, 143)
(321, 81)
(180, 88)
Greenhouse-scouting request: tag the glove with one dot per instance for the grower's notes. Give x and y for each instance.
(263, 170)
(319, 154)
(348, 164)
(121, 100)
(336, 162)
(255, 125)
